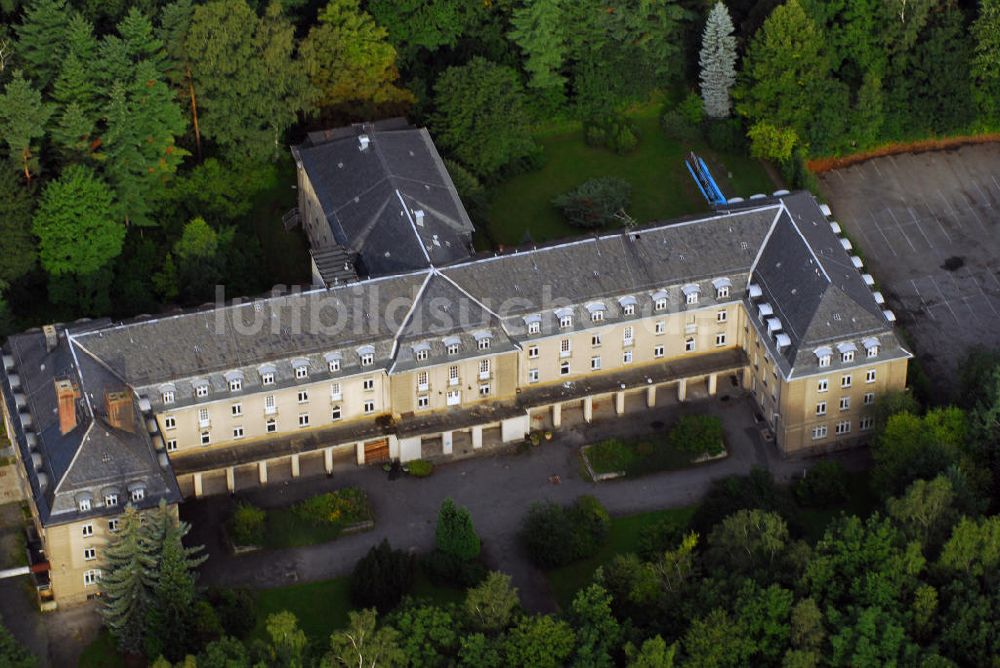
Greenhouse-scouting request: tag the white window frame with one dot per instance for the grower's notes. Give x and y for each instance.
(720, 339)
(595, 340)
(690, 345)
(368, 359)
(453, 377)
(534, 327)
(138, 494)
(301, 372)
(169, 397)
(847, 357)
(628, 309)
(87, 530)
(845, 403)
(453, 397)
(484, 369)
(866, 423)
(532, 352)
(845, 380)
(821, 408)
(91, 577)
(722, 316)
(484, 390)
(660, 304)
(842, 427)
(334, 365)
(172, 445)
(628, 336)
(532, 375)
(423, 381)
(84, 505)
(267, 378)
(270, 407)
(236, 384)
(565, 347)
(368, 384)
(870, 376)
(369, 407)
(423, 401)
(868, 399)
(823, 385)
(565, 321)
(201, 391)
(595, 363)
(453, 348)
(204, 417)
(872, 351)
(722, 292)
(303, 420)
(660, 327)
(238, 432)
(484, 343)
(819, 432)
(303, 396)
(597, 316)
(237, 409)
(335, 392)
(824, 361)
(422, 355)
(627, 357)
(691, 298)
(110, 500)
(658, 351)
(113, 524)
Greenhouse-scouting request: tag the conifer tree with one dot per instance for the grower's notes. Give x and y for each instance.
(718, 62)
(23, 116)
(129, 571)
(175, 22)
(539, 29)
(455, 533)
(41, 39)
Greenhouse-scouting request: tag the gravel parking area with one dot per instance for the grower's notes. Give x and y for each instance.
(928, 228)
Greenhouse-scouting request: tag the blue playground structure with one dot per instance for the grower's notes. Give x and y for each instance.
(706, 184)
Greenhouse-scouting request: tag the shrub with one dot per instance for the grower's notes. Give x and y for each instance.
(611, 455)
(616, 133)
(824, 485)
(675, 126)
(726, 135)
(420, 468)
(247, 525)
(455, 533)
(692, 109)
(697, 435)
(591, 524)
(553, 535)
(757, 490)
(343, 506)
(381, 578)
(595, 203)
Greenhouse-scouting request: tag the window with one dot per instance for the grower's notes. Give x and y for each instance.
(369, 407)
(203, 418)
(660, 327)
(335, 393)
(301, 372)
(720, 339)
(269, 406)
(91, 577)
(823, 385)
(866, 423)
(236, 384)
(824, 361)
(660, 304)
(845, 403)
(869, 398)
(627, 357)
(334, 365)
(368, 384)
(271, 425)
(422, 355)
(110, 500)
(628, 336)
(721, 316)
(168, 397)
(335, 413)
(689, 346)
(847, 356)
(565, 321)
(454, 397)
(722, 292)
(201, 391)
(172, 445)
(484, 390)
(870, 376)
(843, 427)
(453, 348)
(237, 432)
(139, 493)
(368, 359)
(303, 396)
(423, 402)
(484, 343)
(206, 438)
(267, 378)
(564, 369)
(484, 369)
(534, 327)
(595, 363)
(821, 408)
(819, 432)
(422, 381)
(87, 530)
(872, 351)
(658, 351)
(532, 352)
(564, 348)
(113, 525)
(84, 505)
(237, 409)
(692, 298)
(303, 419)
(597, 316)
(628, 309)
(845, 381)
(453, 375)
(169, 422)
(595, 340)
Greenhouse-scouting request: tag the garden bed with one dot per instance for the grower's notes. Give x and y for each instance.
(318, 519)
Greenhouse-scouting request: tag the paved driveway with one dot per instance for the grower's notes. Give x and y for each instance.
(497, 489)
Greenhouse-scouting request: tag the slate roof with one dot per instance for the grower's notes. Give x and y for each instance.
(372, 196)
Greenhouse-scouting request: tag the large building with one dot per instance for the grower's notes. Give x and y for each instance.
(444, 352)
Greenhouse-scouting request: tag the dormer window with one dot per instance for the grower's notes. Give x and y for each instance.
(138, 494)
(111, 500)
(201, 390)
(332, 362)
(596, 310)
(628, 305)
(660, 300)
(871, 347)
(824, 355)
(168, 396)
(422, 355)
(452, 346)
(236, 384)
(534, 327)
(367, 359)
(84, 503)
(565, 321)
(691, 291)
(824, 360)
(722, 286)
(847, 357)
(301, 372)
(484, 343)
(597, 316)
(628, 309)
(267, 378)
(846, 351)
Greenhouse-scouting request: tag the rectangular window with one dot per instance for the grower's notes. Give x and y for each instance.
(843, 427)
(866, 423)
(267, 378)
(334, 365)
(87, 530)
(532, 375)
(660, 304)
(335, 393)
(303, 419)
(720, 339)
(422, 381)
(847, 357)
(169, 422)
(484, 390)
(845, 403)
(138, 494)
(824, 361)
(564, 369)
(566, 321)
(564, 348)
(692, 298)
(84, 505)
(113, 525)
(870, 376)
(453, 348)
(821, 408)
(303, 396)
(534, 327)
(595, 340)
(484, 344)
(658, 351)
(368, 384)
(689, 345)
(660, 327)
(597, 316)
(627, 357)
(628, 309)
(484, 369)
(110, 500)
(453, 375)
(271, 425)
(595, 363)
(368, 359)
(269, 406)
(872, 352)
(823, 385)
(869, 398)
(819, 432)
(369, 407)
(236, 384)
(237, 432)
(532, 352)
(422, 354)
(237, 409)
(201, 391)
(721, 316)
(722, 292)
(335, 413)
(845, 381)
(92, 577)
(454, 397)
(301, 372)
(172, 445)
(206, 438)
(423, 402)
(203, 417)
(168, 397)
(628, 336)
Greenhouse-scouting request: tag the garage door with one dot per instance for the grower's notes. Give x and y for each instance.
(377, 452)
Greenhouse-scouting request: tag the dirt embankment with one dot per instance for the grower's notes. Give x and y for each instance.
(820, 165)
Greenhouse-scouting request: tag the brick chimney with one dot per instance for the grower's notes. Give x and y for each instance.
(66, 396)
(118, 407)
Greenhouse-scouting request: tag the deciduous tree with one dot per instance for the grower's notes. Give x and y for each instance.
(363, 644)
(492, 604)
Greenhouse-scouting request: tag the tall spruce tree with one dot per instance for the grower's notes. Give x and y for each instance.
(718, 62)
(175, 22)
(129, 571)
(539, 29)
(41, 39)
(23, 117)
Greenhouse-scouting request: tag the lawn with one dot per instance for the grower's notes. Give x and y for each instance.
(626, 533)
(320, 606)
(101, 653)
(318, 519)
(662, 188)
(692, 437)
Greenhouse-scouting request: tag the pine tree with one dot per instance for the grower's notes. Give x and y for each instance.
(718, 62)
(41, 39)
(129, 569)
(539, 29)
(175, 22)
(23, 116)
(455, 535)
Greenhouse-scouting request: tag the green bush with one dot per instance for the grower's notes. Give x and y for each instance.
(591, 524)
(692, 109)
(343, 506)
(656, 539)
(616, 133)
(455, 534)
(554, 535)
(726, 135)
(595, 202)
(824, 485)
(697, 435)
(247, 525)
(381, 578)
(420, 468)
(611, 455)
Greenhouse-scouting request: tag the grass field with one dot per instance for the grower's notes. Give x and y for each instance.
(320, 606)
(624, 537)
(102, 653)
(661, 185)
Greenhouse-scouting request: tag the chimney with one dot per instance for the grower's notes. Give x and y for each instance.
(363, 141)
(51, 337)
(66, 396)
(118, 407)
(418, 217)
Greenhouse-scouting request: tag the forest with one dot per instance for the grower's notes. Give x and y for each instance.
(158, 132)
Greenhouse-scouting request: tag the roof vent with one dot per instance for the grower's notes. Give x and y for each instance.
(846, 244)
(879, 299)
(868, 279)
(363, 141)
(835, 226)
(755, 291)
(825, 209)
(782, 340)
(856, 261)
(51, 337)
(418, 217)
(889, 315)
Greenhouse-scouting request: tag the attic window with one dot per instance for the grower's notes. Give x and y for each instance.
(660, 300)
(111, 499)
(534, 327)
(871, 347)
(236, 384)
(301, 366)
(846, 351)
(84, 503)
(722, 286)
(137, 493)
(628, 305)
(691, 291)
(201, 390)
(824, 355)
(421, 352)
(168, 396)
(484, 343)
(332, 361)
(267, 378)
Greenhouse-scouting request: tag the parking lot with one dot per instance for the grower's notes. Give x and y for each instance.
(927, 226)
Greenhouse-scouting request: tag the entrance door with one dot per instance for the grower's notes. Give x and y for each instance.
(377, 452)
